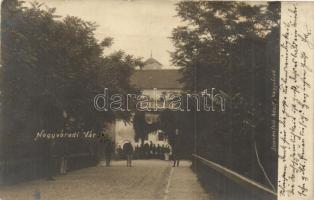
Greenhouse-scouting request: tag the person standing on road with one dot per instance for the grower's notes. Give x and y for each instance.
(109, 148)
(128, 151)
(50, 164)
(176, 149)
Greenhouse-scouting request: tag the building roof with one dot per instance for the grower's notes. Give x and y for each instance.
(151, 60)
(160, 79)
(151, 63)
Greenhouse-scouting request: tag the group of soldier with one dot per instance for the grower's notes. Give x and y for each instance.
(146, 151)
(127, 152)
(143, 151)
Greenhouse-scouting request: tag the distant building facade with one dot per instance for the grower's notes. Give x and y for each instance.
(154, 82)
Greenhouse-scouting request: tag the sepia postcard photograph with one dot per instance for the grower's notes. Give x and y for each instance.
(156, 100)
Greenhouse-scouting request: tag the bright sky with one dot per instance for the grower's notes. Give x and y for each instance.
(137, 26)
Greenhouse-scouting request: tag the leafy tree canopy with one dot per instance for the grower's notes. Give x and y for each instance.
(53, 67)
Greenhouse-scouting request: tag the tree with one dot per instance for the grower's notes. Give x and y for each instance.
(141, 127)
(222, 45)
(52, 68)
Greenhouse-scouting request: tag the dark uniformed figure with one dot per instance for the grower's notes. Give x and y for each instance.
(176, 149)
(50, 163)
(128, 152)
(109, 149)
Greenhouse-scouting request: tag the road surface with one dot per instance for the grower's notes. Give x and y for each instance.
(147, 179)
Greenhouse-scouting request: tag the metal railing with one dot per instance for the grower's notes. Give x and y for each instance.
(234, 176)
